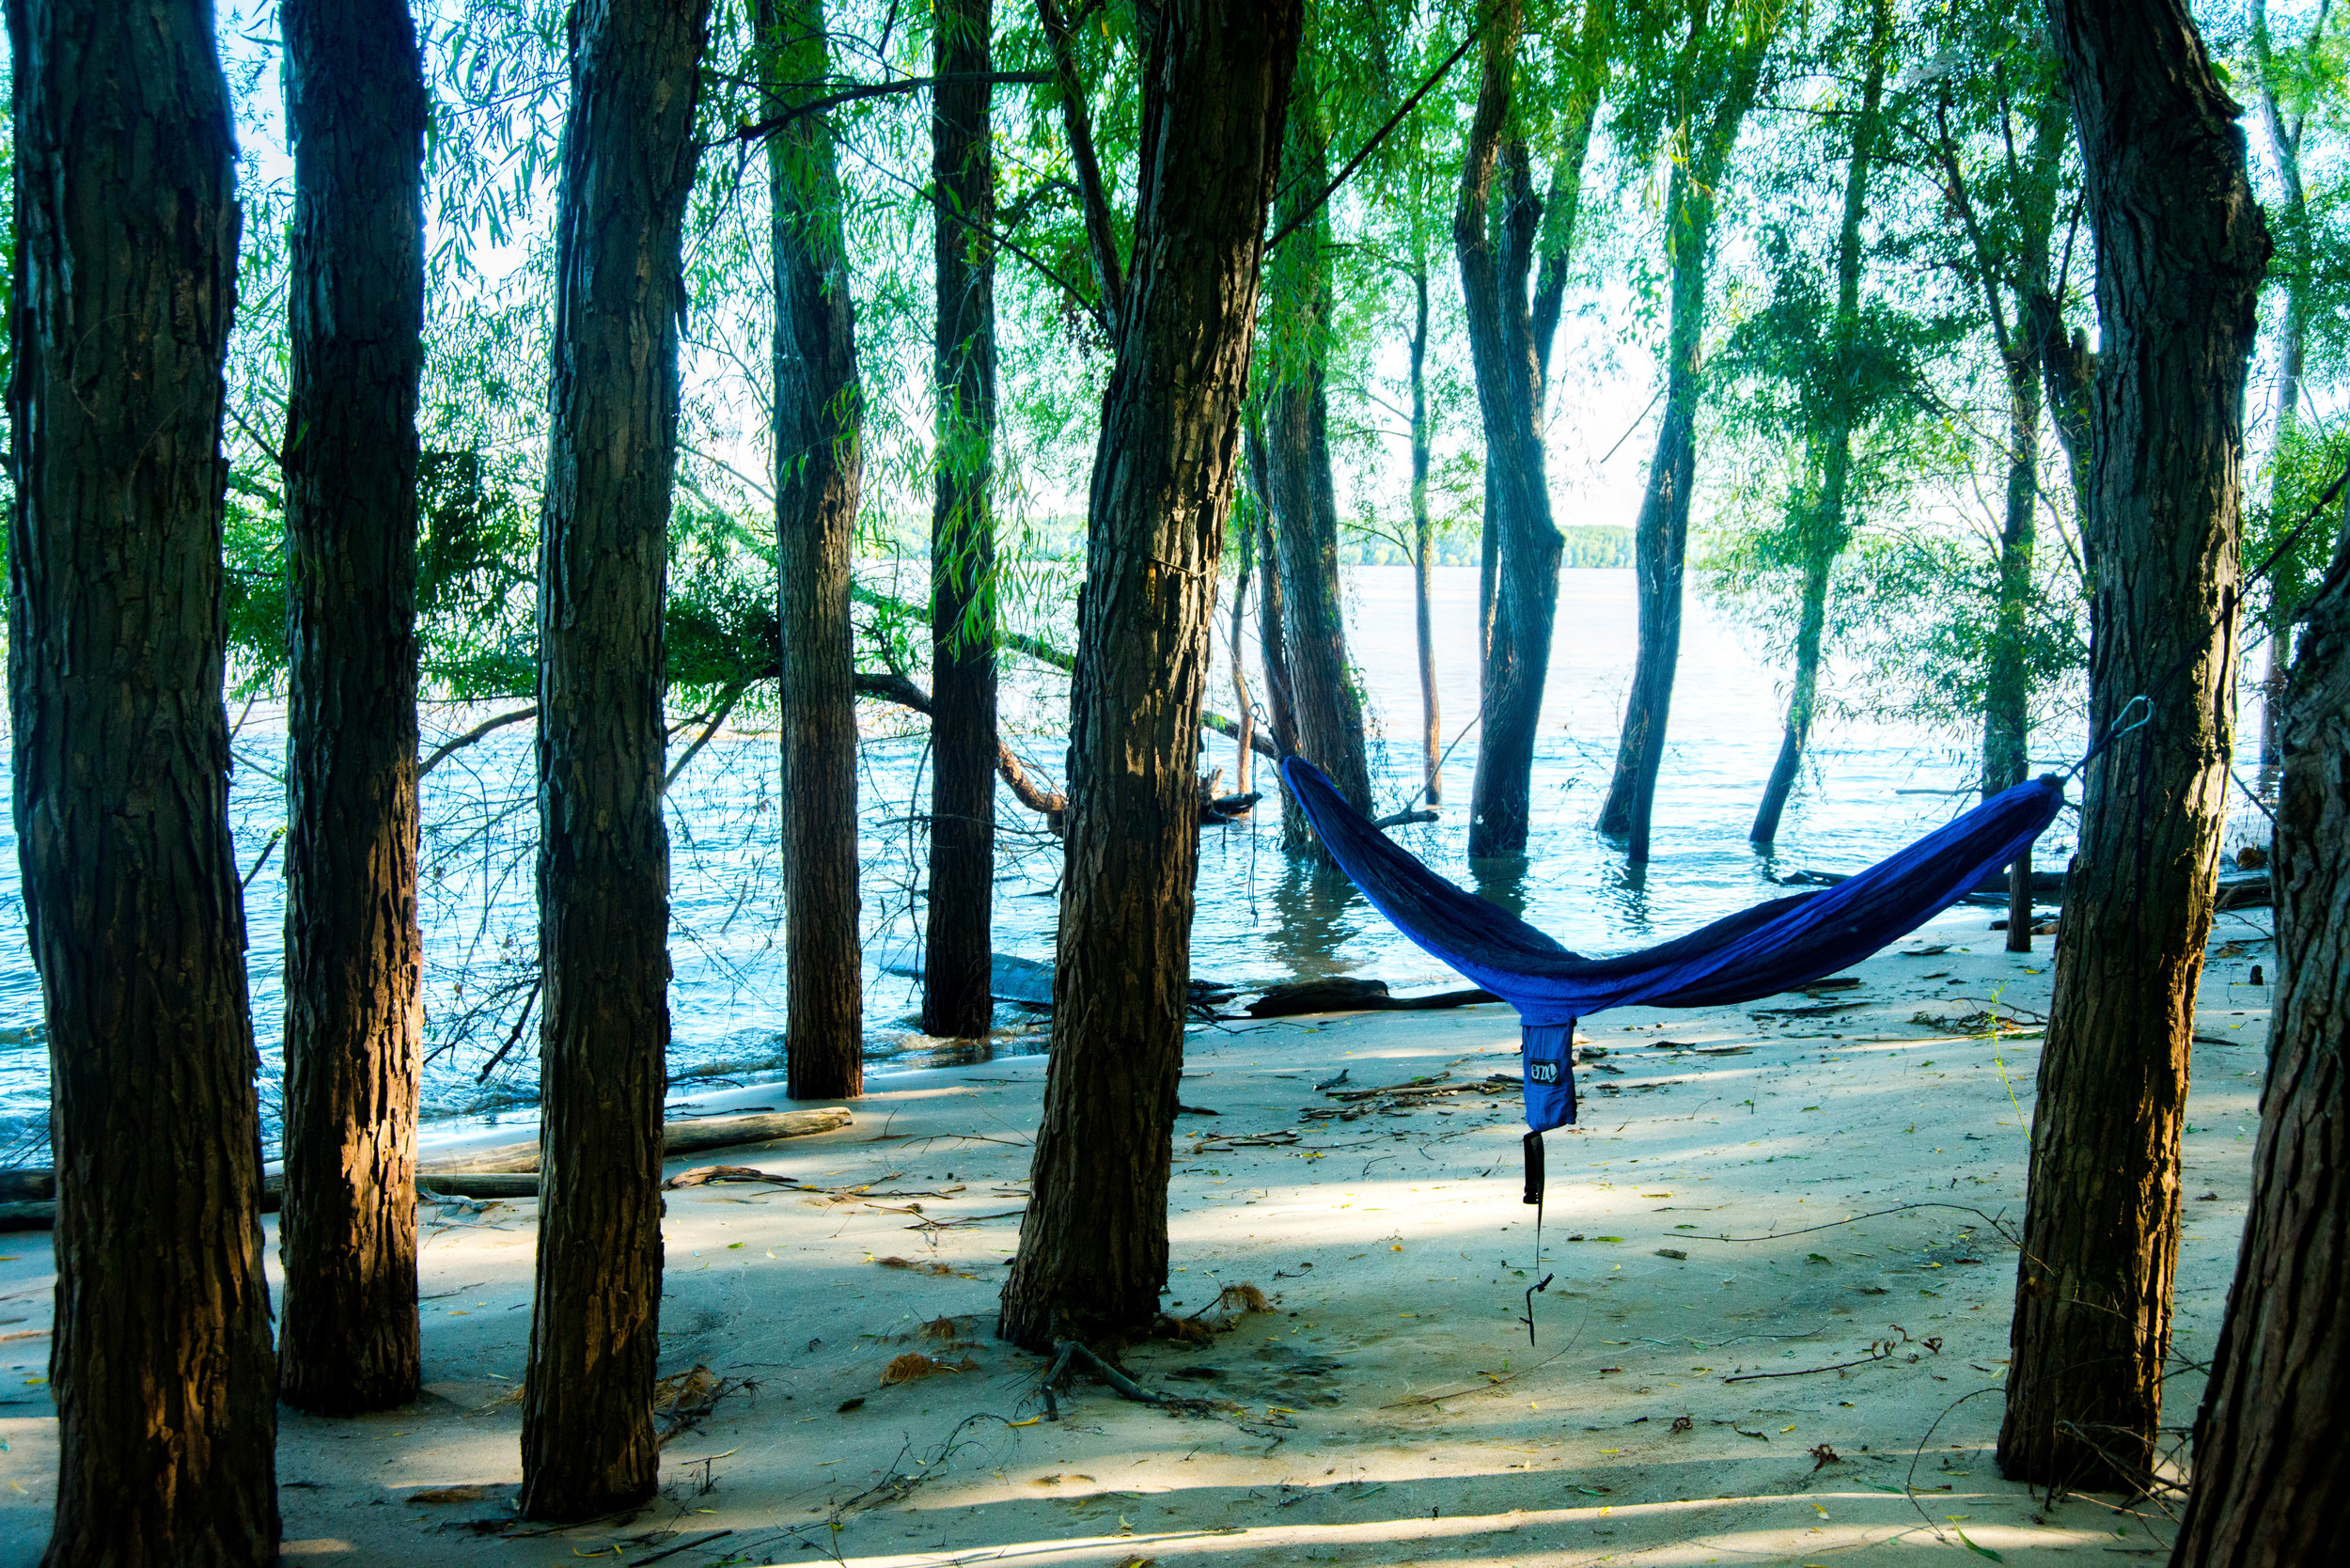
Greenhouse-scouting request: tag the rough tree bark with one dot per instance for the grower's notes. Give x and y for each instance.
(1825, 532)
(956, 952)
(1660, 533)
(1325, 702)
(355, 105)
(604, 852)
(1523, 545)
(126, 269)
(1093, 1242)
(2272, 1473)
(2181, 249)
(820, 417)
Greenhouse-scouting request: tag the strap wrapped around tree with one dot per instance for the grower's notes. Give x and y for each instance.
(1774, 946)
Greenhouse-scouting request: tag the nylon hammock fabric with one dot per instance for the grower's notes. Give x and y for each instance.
(1775, 947)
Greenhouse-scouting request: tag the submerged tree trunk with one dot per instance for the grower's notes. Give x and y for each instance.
(2272, 1468)
(1279, 714)
(1424, 555)
(1810, 628)
(956, 953)
(1660, 533)
(2181, 249)
(1324, 702)
(125, 267)
(355, 105)
(820, 419)
(1093, 1242)
(1825, 532)
(1523, 545)
(603, 851)
(1245, 708)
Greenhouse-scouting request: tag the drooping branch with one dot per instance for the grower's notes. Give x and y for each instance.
(1100, 231)
(1305, 214)
(486, 728)
(890, 686)
(758, 130)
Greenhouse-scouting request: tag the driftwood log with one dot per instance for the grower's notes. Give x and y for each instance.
(1346, 994)
(677, 1137)
(28, 1197)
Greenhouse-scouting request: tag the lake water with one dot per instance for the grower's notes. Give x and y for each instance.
(1260, 919)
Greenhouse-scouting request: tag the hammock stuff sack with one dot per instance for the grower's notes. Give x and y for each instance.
(1775, 947)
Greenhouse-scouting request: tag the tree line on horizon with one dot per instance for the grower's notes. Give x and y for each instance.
(1167, 257)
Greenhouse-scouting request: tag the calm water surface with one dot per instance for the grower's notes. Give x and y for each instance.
(1260, 919)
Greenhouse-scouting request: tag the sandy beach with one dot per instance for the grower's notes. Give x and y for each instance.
(1704, 1237)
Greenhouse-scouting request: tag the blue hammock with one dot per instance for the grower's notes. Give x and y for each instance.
(1774, 946)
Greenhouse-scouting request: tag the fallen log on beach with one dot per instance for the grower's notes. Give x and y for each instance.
(28, 1196)
(1349, 995)
(677, 1137)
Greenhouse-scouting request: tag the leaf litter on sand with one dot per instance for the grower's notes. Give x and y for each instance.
(928, 1266)
(685, 1399)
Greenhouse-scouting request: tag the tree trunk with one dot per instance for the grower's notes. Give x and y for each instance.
(2024, 354)
(2180, 252)
(1825, 531)
(820, 419)
(1811, 623)
(1279, 714)
(355, 106)
(1577, 116)
(1660, 533)
(1523, 545)
(604, 852)
(2007, 686)
(1326, 703)
(2284, 155)
(2272, 1473)
(125, 279)
(1424, 554)
(956, 998)
(1093, 1244)
(1245, 708)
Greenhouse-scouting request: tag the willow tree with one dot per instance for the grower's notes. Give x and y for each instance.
(1093, 1242)
(1846, 371)
(126, 230)
(819, 420)
(2181, 249)
(629, 156)
(2272, 1466)
(1326, 702)
(2292, 79)
(2005, 204)
(1523, 546)
(1690, 101)
(957, 997)
(355, 106)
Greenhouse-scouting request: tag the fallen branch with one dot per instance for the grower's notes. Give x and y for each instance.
(458, 743)
(890, 686)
